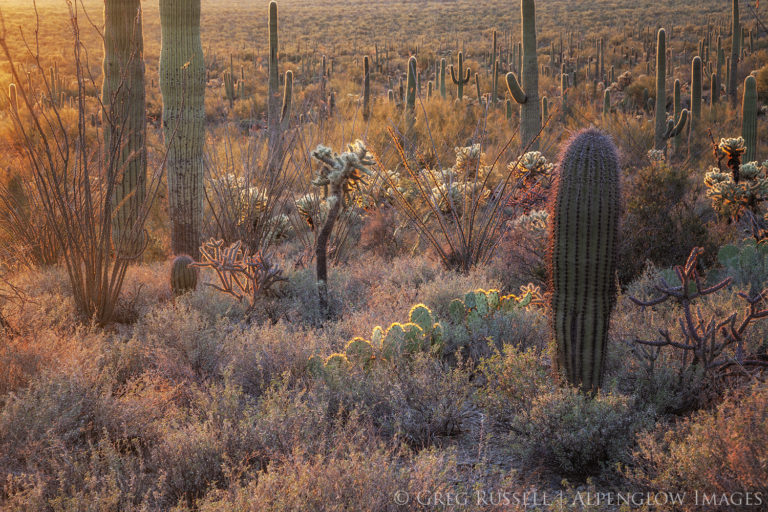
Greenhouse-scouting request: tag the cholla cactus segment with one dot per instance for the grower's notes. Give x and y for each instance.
(536, 221)
(344, 170)
(733, 146)
(468, 160)
(531, 166)
(731, 198)
(656, 156)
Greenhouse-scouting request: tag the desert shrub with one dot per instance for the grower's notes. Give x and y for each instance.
(577, 434)
(420, 401)
(721, 451)
(557, 427)
(512, 378)
(521, 254)
(662, 221)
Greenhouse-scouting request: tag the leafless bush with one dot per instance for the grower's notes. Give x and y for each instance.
(75, 175)
(241, 274)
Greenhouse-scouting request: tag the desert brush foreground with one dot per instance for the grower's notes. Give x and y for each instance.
(383, 255)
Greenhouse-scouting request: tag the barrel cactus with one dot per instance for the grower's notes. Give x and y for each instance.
(182, 83)
(584, 205)
(183, 275)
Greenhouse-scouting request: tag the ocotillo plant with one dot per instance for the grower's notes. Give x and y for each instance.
(584, 206)
(366, 88)
(661, 90)
(125, 117)
(735, 47)
(182, 83)
(273, 95)
(695, 92)
(410, 97)
(749, 118)
(443, 92)
(462, 78)
(527, 95)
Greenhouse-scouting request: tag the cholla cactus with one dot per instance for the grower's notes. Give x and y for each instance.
(536, 221)
(732, 199)
(342, 173)
(531, 166)
(470, 163)
(656, 156)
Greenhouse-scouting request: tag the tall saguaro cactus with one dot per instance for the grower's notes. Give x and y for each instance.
(528, 95)
(585, 206)
(462, 78)
(125, 116)
(366, 88)
(735, 47)
(696, 79)
(182, 84)
(661, 90)
(749, 118)
(273, 93)
(410, 95)
(443, 92)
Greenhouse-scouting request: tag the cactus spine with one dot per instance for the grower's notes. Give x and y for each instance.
(585, 207)
(749, 118)
(462, 78)
(661, 90)
(695, 92)
(182, 83)
(125, 129)
(735, 46)
(527, 95)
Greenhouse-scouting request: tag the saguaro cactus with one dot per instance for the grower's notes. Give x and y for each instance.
(366, 88)
(749, 118)
(584, 206)
(462, 78)
(527, 95)
(125, 117)
(695, 92)
(285, 113)
(443, 92)
(182, 83)
(273, 95)
(661, 89)
(410, 95)
(735, 47)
